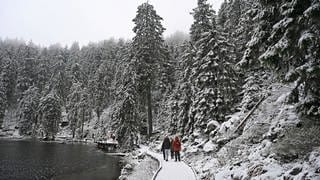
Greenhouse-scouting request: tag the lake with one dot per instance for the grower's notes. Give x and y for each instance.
(40, 160)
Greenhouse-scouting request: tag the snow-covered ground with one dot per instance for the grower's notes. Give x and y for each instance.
(258, 151)
(138, 166)
(170, 170)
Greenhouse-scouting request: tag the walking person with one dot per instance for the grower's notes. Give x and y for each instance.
(177, 148)
(165, 148)
(171, 148)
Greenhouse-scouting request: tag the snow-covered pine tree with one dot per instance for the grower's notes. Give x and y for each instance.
(214, 81)
(147, 52)
(125, 117)
(203, 16)
(26, 76)
(236, 18)
(73, 106)
(181, 98)
(3, 103)
(28, 109)
(8, 80)
(288, 41)
(50, 114)
(181, 122)
(102, 86)
(85, 110)
(43, 74)
(60, 80)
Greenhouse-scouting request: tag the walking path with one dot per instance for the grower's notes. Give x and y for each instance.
(171, 170)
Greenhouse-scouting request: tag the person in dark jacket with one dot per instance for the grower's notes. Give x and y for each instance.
(165, 148)
(171, 149)
(176, 148)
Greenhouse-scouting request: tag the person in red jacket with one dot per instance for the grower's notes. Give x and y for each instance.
(176, 148)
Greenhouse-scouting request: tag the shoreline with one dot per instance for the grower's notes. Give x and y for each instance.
(131, 164)
(139, 165)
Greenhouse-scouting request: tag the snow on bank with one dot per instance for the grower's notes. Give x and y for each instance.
(138, 166)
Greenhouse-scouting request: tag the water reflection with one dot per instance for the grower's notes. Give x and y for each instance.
(36, 160)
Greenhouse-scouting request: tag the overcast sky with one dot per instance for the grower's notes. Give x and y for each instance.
(65, 21)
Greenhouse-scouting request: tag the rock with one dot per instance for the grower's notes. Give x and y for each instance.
(287, 178)
(235, 177)
(184, 139)
(256, 170)
(288, 157)
(295, 171)
(212, 125)
(194, 143)
(122, 177)
(209, 147)
(213, 133)
(318, 170)
(196, 134)
(272, 135)
(128, 167)
(222, 141)
(126, 170)
(237, 163)
(141, 156)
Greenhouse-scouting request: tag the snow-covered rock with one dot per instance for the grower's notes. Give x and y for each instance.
(211, 126)
(210, 147)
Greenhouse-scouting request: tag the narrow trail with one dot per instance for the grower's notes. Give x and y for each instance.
(171, 170)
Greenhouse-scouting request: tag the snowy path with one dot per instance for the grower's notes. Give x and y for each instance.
(171, 170)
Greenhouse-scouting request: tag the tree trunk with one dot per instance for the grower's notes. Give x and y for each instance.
(149, 104)
(73, 132)
(82, 123)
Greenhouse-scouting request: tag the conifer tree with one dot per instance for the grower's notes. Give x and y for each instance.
(73, 106)
(85, 110)
(147, 53)
(50, 114)
(211, 76)
(26, 76)
(126, 120)
(181, 98)
(3, 103)
(203, 20)
(215, 81)
(28, 109)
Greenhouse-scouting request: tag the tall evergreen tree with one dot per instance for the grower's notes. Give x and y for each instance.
(26, 75)
(85, 110)
(50, 114)
(214, 80)
(7, 83)
(181, 98)
(203, 16)
(73, 106)
(126, 120)
(3, 103)
(28, 109)
(236, 18)
(147, 52)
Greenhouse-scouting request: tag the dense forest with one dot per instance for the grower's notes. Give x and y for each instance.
(183, 84)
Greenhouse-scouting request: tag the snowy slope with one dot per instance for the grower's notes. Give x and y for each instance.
(253, 153)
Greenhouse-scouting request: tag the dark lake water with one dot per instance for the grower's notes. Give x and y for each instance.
(36, 160)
